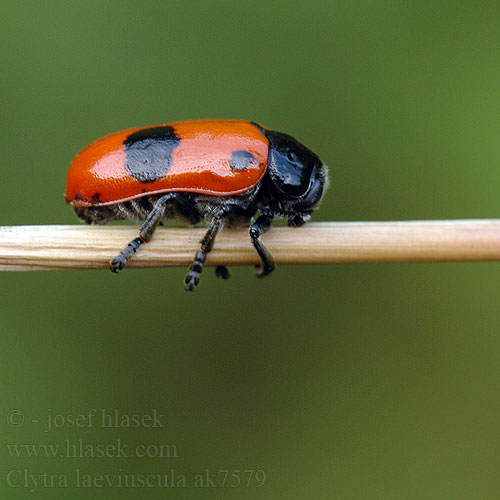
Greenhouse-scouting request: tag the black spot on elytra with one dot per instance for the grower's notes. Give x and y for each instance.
(96, 197)
(149, 152)
(241, 160)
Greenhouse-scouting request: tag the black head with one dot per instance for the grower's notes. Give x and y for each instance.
(297, 175)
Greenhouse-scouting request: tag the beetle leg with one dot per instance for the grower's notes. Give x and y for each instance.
(259, 227)
(297, 220)
(193, 276)
(185, 209)
(231, 215)
(145, 234)
(222, 272)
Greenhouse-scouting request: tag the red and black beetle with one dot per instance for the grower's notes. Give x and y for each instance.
(220, 171)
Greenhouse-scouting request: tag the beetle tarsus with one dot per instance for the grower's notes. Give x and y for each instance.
(263, 270)
(296, 220)
(120, 261)
(222, 272)
(191, 281)
(193, 276)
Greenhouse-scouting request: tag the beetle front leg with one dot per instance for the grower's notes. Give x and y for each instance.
(297, 220)
(145, 233)
(259, 227)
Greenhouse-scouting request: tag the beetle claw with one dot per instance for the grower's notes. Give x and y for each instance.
(118, 263)
(192, 279)
(262, 271)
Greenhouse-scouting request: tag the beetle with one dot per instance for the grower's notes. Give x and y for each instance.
(223, 172)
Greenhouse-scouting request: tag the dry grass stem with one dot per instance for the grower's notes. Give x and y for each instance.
(84, 247)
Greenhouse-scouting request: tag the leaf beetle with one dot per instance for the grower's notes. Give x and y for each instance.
(222, 172)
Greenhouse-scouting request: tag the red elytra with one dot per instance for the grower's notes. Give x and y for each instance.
(198, 156)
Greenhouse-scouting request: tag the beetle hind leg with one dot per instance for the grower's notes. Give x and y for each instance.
(145, 234)
(120, 261)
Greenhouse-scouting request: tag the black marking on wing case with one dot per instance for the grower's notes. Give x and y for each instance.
(149, 152)
(241, 160)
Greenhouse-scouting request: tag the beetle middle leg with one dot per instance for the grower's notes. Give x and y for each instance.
(145, 234)
(193, 276)
(232, 215)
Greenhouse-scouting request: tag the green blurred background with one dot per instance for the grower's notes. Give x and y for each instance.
(341, 381)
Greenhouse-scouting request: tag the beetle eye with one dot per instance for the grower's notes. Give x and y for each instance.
(291, 156)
